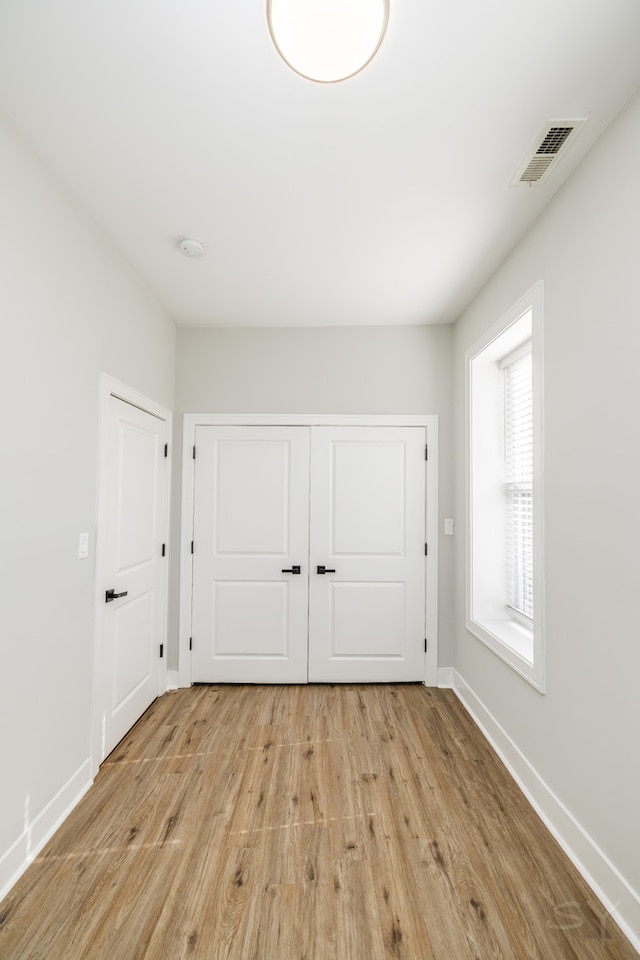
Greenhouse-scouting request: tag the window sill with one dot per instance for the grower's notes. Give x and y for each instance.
(513, 643)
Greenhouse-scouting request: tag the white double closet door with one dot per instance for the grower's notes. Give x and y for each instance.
(308, 554)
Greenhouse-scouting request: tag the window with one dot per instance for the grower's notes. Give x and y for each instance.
(518, 441)
(504, 549)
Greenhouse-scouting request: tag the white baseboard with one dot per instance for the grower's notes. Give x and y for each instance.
(619, 899)
(446, 677)
(26, 848)
(173, 679)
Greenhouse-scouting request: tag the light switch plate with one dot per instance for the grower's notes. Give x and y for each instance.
(448, 528)
(83, 546)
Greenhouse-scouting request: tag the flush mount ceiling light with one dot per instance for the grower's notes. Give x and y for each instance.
(327, 40)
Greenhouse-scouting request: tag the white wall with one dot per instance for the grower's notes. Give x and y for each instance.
(314, 370)
(583, 736)
(70, 308)
(398, 370)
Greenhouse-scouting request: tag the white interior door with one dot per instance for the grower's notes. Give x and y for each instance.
(135, 588)
(250, 555)
(367, 611)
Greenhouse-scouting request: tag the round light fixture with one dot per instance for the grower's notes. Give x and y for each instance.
(191, 248)
(327, 40)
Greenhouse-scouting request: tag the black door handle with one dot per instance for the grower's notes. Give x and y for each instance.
(295, 569)
(112, 595)
(324, 570)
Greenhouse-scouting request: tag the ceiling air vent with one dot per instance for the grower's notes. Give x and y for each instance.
(552, 141)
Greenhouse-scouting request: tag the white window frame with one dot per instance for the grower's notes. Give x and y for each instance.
(514, 570)
(487, 615)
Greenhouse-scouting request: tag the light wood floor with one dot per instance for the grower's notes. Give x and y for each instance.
(319, 822)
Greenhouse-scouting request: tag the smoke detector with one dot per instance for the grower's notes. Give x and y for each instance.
(191, 248)
(553, 138)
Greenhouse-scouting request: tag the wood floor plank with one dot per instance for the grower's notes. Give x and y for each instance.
(305, 823)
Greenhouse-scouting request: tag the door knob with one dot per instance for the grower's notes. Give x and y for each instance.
(112, 595)
(295, 569)
(322, 570)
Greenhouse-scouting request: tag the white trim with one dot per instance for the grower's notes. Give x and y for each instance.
(431, 538)
(172, 680)
(193, 420)
(310, 420)
(446, 677)
(38, 833)
(495, 635)
(516, 354)
(114, 388)
(618, 898)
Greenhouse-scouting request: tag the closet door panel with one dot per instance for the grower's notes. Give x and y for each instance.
(250, 555)
(367, 570)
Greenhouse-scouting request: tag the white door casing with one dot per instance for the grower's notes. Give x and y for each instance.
(131, 561)
(367, 621)
(190, 424)
(251, 526)
(367, 612)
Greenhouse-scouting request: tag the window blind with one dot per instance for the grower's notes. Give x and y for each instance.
(519, 482)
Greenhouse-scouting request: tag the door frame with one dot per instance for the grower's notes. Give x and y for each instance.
(193, 420)
(109, 387)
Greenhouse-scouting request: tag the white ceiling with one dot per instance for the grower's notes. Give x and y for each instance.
(382, 199)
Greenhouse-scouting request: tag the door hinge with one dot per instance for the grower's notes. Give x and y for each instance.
(426, 451)
(426, 549)
(425, 644)
(166, 450)
(164, 549)
(162, 650)
(190, 643)
(194, 452)
(192, 546)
